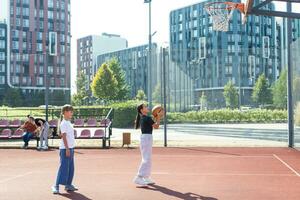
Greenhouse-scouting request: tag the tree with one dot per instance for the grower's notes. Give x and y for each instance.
(279, 91)
(203, 101)
(141, 96)
(231, 95)
(156, 96)
(296, 90)
(261, 92)
(81, 95)
(123, 87)
(104, 85)
(13, 97)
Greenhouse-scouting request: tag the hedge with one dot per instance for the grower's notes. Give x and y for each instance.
(125, 113)
(229, 116)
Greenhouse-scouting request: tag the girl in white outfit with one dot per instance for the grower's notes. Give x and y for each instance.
(146, 124)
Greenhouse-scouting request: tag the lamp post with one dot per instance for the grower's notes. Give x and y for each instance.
(149, 57)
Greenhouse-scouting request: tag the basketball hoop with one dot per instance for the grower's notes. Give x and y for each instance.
(222, 12)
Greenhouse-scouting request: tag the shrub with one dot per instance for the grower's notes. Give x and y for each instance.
(229, 116)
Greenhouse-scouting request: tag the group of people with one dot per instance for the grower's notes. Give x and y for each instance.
(65, 172)
(35, 128)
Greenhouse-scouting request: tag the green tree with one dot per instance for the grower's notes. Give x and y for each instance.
(231, 95)
(13, 97)
(296, 90)
(261, 92)
(141, 96)
(104, 85)
(123, 87)
(156, 96)
(203, 101)
(279, 91)
(81, 95)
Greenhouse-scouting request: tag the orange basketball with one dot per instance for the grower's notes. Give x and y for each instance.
(158, 110)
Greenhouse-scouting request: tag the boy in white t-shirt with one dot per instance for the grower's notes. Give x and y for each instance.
(66, 169)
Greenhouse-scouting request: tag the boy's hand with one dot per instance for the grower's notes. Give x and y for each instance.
(68, 153)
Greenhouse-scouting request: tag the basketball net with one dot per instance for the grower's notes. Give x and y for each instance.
(221, 13)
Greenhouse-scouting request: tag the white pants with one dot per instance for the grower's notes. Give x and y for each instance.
(44, 135)
(146, 152)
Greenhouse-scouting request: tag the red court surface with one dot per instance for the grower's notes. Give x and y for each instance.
(180, 173)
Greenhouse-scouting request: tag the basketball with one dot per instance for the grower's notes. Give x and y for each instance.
(158, 110)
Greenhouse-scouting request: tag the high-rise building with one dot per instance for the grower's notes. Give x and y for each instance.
(29, 24)
(134, 62)
(88, 48)
(3, 57)
(211, 58)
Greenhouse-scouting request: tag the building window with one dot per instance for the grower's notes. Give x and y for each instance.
(2, 44)
(39, 47)
(63, 71)
(41, 13)
(2, 68)
(50, 3)
(24, 80)
(50, 14)
(2, 80)
(15, 45)
(40, 81)
(2, 56)
(2, 32)
(41, 69)
(266, 46)
(50, 69)
(202, 47)
(62, 82)
(18, 22)
(18, 69)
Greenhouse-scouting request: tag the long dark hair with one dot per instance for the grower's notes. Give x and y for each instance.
(138, 116)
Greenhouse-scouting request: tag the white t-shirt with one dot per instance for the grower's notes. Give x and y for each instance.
(67, 128)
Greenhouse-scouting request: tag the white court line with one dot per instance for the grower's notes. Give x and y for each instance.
(287, 165)
(15, 177)
(187, 174)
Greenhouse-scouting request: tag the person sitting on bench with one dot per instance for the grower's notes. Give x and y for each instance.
(30, 130)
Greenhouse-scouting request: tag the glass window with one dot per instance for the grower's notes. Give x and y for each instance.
(2, 80)
(2, 68)
(39, 47)
(50, 69)
(50, 3)
(2, 32)
(2, 44)
(41, 70)
(62, 82)
(50, 14)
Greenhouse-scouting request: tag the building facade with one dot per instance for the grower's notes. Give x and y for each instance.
(134, 62)
(3, 57)
(88, 48)
(211, 58)
(29, 25)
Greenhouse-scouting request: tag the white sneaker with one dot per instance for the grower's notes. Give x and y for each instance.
(45, 148)
(140, 181)
(149, 181)
(39, 148)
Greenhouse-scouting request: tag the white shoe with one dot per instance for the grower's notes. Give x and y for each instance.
(45, 148)
(149, 181)
(39, 148)
(140, 181)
